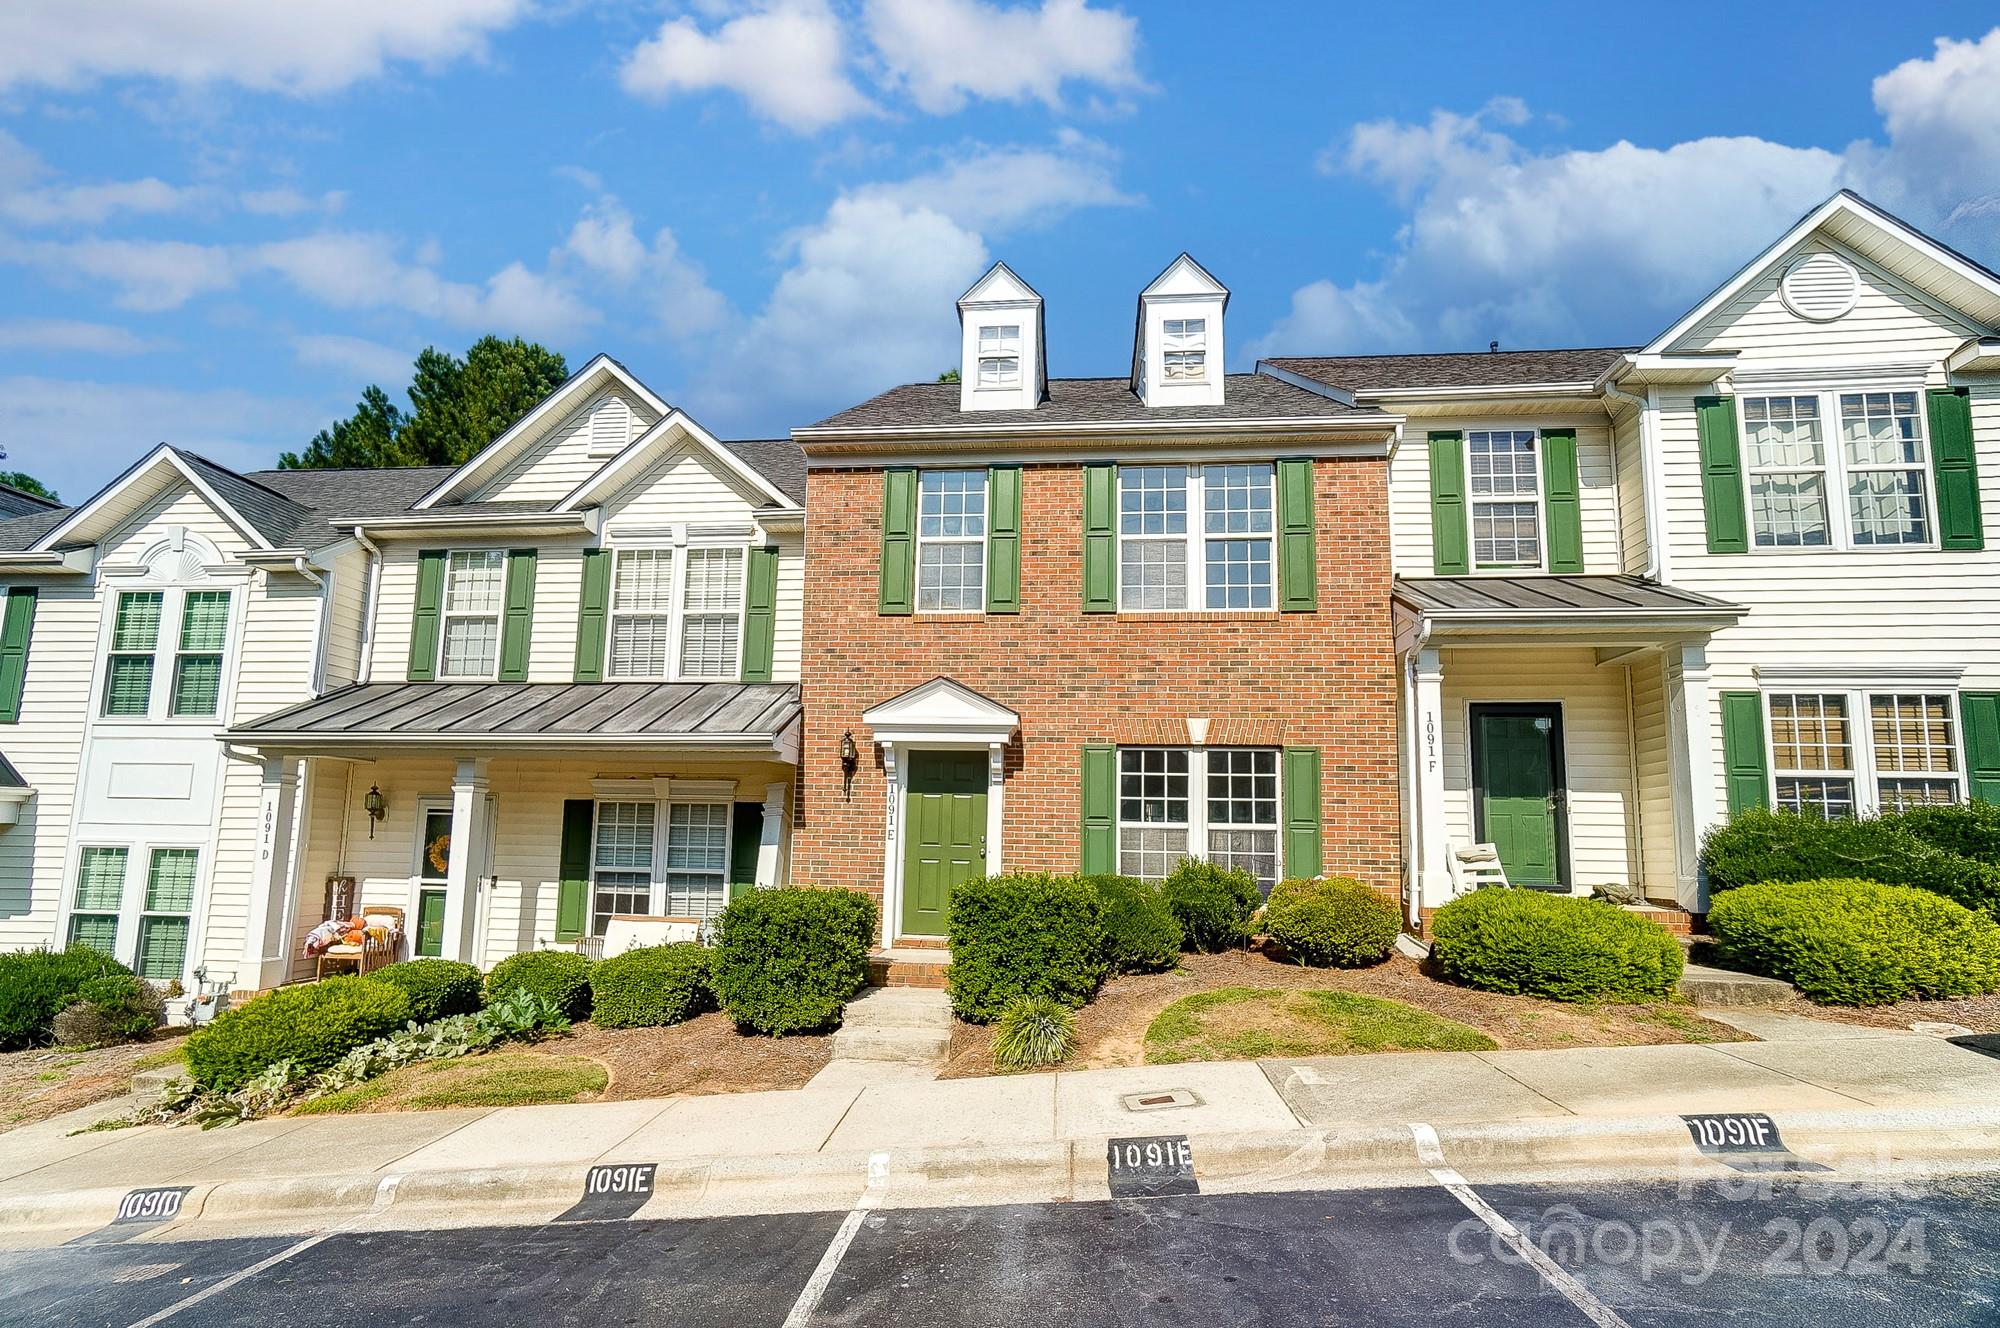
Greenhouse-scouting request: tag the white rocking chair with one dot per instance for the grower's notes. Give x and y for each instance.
(1473, 866)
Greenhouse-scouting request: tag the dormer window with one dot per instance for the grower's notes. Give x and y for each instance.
(1184, 348)
(1000, 355)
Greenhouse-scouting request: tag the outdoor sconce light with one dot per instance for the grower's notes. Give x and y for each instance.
(376, 806)
(850, 756)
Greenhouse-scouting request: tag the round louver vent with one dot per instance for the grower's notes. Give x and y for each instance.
(1821, 287)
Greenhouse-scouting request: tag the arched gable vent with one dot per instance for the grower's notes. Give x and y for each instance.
(1821, 287)
(610, 426)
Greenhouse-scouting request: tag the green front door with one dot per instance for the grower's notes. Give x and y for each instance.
(1519, 798)
(433, 865)
(944, 835)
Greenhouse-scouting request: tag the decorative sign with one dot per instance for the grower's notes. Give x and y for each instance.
(613, 1191)
(1745, 1140)
(1152, 1167)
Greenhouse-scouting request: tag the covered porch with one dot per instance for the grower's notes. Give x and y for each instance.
(503, 817)
(1565, 720)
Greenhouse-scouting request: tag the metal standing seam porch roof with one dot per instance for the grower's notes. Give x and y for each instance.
(538, 714)
(1578, 598)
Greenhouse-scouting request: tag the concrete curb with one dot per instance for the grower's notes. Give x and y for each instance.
(1859, 1143)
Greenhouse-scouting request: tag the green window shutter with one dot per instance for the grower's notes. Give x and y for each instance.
(16, 629)
(744, 836)
(518, 624)
(1562, 496)
(592, 614)
(1744, 772)
(1721, 475)
(899, 541)
(1955, 466)
(1100, 810)
(1979, 712)
(573, 893)
(1303, 856)
(424, 627)
(760, 617)
(1003, 539)
(1298, 569)
(1100, 539)
(1450, 551)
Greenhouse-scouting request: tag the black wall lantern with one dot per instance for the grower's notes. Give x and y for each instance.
(376, 806)
(850, 756)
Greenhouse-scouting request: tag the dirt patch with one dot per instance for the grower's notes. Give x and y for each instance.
(704, 1055)
(48, 1081)
(1981, 1014)
(1111, 1031)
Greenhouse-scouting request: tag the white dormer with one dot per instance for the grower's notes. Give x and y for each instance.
(1002, 364)
(1177, 348)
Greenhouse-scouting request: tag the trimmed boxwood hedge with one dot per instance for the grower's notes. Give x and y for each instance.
(1214, 905)
(1534, 944)
(561, 976)
(1332, 922)
(1024, 934)
(788, 960)
(37, 985)
(1904, 849)
(1858, 942)
(436, 987)
(1141, 933)
(652, 986)
(312, 1024)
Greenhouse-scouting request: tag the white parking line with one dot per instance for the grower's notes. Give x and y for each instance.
(836, 1249)
(1431, 1154)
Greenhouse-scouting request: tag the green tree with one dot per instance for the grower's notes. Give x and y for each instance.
(948, 376)
(456, 407)
(26, 483)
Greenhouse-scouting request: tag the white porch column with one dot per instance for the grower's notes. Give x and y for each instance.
(1691, 747)
(771, 841)
(467, 869)
(1426, 686)
(265, 961)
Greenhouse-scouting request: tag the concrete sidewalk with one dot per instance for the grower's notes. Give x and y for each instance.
(1038, 1117)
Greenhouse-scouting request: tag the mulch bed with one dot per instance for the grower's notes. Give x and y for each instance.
(48, 1081)
(704, 1055)
(1111, 1030)
(1981, 1014)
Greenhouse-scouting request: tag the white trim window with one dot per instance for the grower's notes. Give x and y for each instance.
(1504, 482)
(999, 355)
(1823, 762)
(197, 622)
(696, 884)
(153, 937)
(621, 873)
(99, 897)
(204, 636)
(474, 588)
(711, 613)
(642, 614)
(135, 640)
(1880, 466)
(653, 859)
(1184, 349)
(1161, 557)
(166, 913)
(1217, 804)
(666, 626)
(951, 541)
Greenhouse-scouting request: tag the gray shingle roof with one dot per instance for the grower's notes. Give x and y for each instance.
(381, 491)
(280, 520)
(466, 712)
(19, 532)
(1541, 595)
(9, 776)
(1505, 368)
(19, 502)
(779, 460)
(1084, 401)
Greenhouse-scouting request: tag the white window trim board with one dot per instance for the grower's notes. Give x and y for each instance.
(1866, 774)
(1835, 471)
(1196, 537)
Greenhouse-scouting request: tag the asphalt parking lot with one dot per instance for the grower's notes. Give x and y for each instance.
(1749, 1250)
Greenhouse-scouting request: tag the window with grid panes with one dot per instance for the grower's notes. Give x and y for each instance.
(1184, 348)
(163, 924)
(1243, 811)
(711, 613)
(1231, 555)
(100, 893)
(1504, 477)
(198, 662)
(1219, 804)
(474, 588)
(1153, 810)
(697, 858)
(951, 541)
(1882, 447)
(1871, 491)
(1237, 520)
(135, 638)
(1812, 752)
(1786, 460)
(1915, 747)
(642, 602)
(1000, 355)
(622, 862)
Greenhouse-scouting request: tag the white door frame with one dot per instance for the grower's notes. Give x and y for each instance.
(898, 819)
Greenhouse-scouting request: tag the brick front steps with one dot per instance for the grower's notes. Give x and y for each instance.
(906, 964)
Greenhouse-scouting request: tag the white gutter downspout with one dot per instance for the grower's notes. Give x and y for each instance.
(1649, 476)
(374, 552)
(320, 627)
(1413, 889)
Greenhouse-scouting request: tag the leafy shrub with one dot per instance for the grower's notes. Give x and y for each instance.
(1214, 905)
(1141, 933)
(1024, 934)
(1034, 1030)
(788, 960)
(36, 985)
(562, 976)
(437, 988)
(1759, 846)
(1333, 922)
(651, 986)
(1535, 944)
(120, 1008)
(1969, 829)
(1858, 942)
(311, 1026)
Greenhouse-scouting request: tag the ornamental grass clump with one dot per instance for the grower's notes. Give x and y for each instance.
(1033, 1030)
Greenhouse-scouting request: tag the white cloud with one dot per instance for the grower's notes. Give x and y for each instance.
(28, 199)
(606, 242)
(1942, 116)
(944, 52)
(299, 47)
(289, 202)
(787, 59)
(997, 190)
(357, 356)
(71, 334)
(148, 276)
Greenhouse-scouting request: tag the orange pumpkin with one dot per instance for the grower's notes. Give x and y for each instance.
(352, 938)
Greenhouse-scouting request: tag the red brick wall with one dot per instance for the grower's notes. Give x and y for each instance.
(1324, 679)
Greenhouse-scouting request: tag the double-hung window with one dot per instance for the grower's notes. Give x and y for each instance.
(1000, 355)
(1228, 550)
(1219, 804)
(622, 865)
(198, 662)
(100, 894)
(951, 541)
(697, 856)
(474, 581)
(1845, 753)
(192, 627)
(642, 613)
(667, 627)
(1184, 349)
(1505, 478)
(1869, 491)
(169, 904)
(659, 858)
(712, 613)
(135, 638)
(153, 939)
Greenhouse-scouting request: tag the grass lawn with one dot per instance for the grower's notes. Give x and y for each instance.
(497, 1079)
(1246, 1023)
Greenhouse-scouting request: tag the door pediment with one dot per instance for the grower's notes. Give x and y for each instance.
(942, 711)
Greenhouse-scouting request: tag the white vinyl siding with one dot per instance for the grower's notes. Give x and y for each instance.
(1606, 509)
(570, 452)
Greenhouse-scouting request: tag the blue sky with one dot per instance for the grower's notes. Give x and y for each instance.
(221, 219)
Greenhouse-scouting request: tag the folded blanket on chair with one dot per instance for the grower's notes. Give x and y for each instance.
(324, 936)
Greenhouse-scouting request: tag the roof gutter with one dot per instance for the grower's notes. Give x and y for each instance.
(373, 553)
(351, 743)
(1649, 456)
(30, 562)
(1360, 425)
(433, 523)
